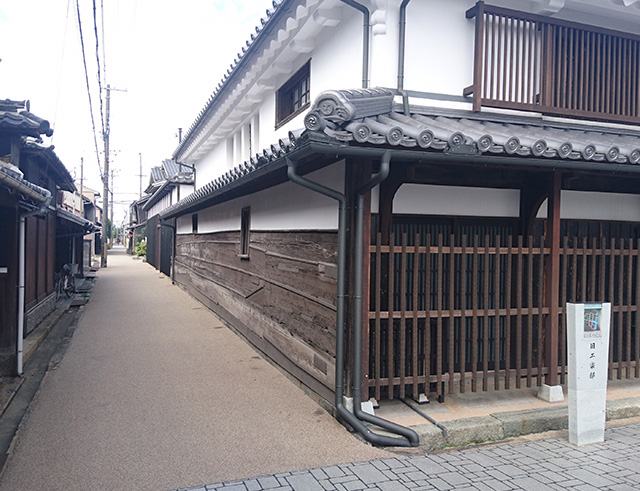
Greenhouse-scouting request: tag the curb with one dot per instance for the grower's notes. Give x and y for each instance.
(499, 426)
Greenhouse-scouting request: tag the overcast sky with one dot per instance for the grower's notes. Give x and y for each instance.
(167, 54)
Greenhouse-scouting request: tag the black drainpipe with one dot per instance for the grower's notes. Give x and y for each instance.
(402, 35)
(365, 39)
(353, 419)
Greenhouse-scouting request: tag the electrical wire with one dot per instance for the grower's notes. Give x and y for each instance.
(86, 78)
(95, 32)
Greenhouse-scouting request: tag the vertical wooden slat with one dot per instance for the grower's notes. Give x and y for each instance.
(537, 85)
(530, 307)
(629, 289)
(518, 57)
(390, 306)
(463, 318)
(439, 272)
(519, 287)
(508, 321)
(492, 79)
(403, 314)
(452, 319)
(414, 324)
(592, 269)
(486, 56)
(427, 321)
(584, 280)
(499, 74)
(541, 319)
(602, 288)
(590, 72)
(479, 56)
(637, 343)
(596, 67)
(563, 302)
(571, 62)
(474, 319)
(611, 298)
(378, 299)
(574, 272)
(620, 301)
(511, 22)
(485, 321)
(496, 322)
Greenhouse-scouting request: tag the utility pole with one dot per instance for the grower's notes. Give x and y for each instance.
(82, 185)
(105, 181)
(140, 174)
(111, 210)
(105, 176)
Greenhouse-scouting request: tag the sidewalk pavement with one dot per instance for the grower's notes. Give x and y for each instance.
(540, 465)
(155, 393)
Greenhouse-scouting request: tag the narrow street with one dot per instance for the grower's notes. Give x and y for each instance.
(155, 393)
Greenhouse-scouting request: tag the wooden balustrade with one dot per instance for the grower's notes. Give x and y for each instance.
(531, 62)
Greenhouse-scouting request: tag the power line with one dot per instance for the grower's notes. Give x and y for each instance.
(95, 32)
(86, 79)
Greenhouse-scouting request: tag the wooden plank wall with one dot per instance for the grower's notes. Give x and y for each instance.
(282, 298)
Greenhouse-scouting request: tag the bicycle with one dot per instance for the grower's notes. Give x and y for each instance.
(65, 282)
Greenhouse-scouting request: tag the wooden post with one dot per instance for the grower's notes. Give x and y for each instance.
(388, 190)
(552, 278)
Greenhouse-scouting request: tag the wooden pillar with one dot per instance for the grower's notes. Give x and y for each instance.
(552, 278)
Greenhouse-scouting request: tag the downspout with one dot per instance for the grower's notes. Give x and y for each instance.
(365, 39)
(342, 412)
(402, 35)
(21, 261)
(22, 221)
(408, 433)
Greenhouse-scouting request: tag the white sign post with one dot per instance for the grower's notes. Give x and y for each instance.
(588, 346)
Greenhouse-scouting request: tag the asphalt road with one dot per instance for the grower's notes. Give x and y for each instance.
(155, 393)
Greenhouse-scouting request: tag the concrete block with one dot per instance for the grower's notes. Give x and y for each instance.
(551, 393)
(431, 437)
(516, 423)
(623, 408)
(467, 431)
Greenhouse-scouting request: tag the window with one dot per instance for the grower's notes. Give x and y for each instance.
(194, 223)
(293, 97)
(245, 225)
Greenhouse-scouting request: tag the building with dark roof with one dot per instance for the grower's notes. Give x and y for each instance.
(32, 178)
(432, 180)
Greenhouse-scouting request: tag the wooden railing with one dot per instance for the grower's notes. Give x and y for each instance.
(535, 63)
(451, 314)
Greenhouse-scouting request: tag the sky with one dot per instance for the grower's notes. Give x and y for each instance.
(168, 55)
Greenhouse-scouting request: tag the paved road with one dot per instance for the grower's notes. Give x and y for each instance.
(154, 393)
(550, 464)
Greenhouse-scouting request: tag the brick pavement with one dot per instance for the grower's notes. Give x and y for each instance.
(550, 464)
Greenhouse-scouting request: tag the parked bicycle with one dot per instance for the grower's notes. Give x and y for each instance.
(65, 282)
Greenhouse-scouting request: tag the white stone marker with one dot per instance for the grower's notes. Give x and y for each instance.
(588, 346)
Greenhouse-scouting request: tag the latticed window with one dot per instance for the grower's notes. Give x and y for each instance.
(294, 96)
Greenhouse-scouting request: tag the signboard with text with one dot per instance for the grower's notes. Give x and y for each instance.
(588, 361)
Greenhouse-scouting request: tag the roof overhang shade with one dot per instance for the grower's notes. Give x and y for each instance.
(74, 223)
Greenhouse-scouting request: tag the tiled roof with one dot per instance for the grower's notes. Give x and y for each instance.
(157, 174)
(64, 179)
(261, 29)
(367, 117)
(15, 119)
(268, 156)
(370, 116)
(166, 187)
(14, 180)
(76, 219)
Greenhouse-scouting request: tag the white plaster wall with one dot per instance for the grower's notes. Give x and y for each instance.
(212, 165)
(468, 201)
(165, 202)
(183, 224)
(597, 206)
(456, 200)
(283, 207)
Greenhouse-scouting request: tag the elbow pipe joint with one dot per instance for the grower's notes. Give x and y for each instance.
(355, 419)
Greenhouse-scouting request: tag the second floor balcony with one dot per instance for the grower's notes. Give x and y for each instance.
(535, 63)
